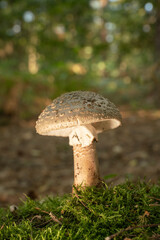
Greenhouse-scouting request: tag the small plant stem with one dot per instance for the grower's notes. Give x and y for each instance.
(54, 218)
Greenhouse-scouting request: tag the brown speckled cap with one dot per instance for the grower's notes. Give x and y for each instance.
(78, 108)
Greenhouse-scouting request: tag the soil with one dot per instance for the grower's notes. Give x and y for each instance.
(39, 166)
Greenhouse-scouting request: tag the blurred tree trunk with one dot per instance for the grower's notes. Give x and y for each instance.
(156, 74)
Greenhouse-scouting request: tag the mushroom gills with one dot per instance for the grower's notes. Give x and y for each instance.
(107, 124)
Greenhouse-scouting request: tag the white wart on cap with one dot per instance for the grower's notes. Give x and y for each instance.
(79, 115)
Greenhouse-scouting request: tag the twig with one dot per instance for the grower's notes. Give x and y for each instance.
(36, 216)
(76, 195)
(54, 218)
(91, 210)
(81, 201)
(130, 228)
(155, 236)
(39, 217)
(154, 205)
(41, 210)
(2, 226)
(158, 199)
(43, 224)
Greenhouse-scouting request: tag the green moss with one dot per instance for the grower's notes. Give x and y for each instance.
(89, 214)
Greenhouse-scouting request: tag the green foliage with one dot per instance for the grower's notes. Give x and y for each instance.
(88, 214)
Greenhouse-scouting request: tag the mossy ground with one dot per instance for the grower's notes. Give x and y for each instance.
(89, 214)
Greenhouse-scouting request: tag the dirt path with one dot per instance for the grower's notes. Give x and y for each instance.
(39, 166)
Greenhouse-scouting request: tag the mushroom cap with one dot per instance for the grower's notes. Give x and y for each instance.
(78, 108)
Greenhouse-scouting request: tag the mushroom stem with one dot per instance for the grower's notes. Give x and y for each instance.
(86, 165)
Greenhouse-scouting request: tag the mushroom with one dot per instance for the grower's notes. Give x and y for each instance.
(81, 116)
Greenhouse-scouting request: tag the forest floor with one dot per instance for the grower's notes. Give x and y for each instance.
(39, 166)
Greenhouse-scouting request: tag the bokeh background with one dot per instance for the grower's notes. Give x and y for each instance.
(48, 47)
